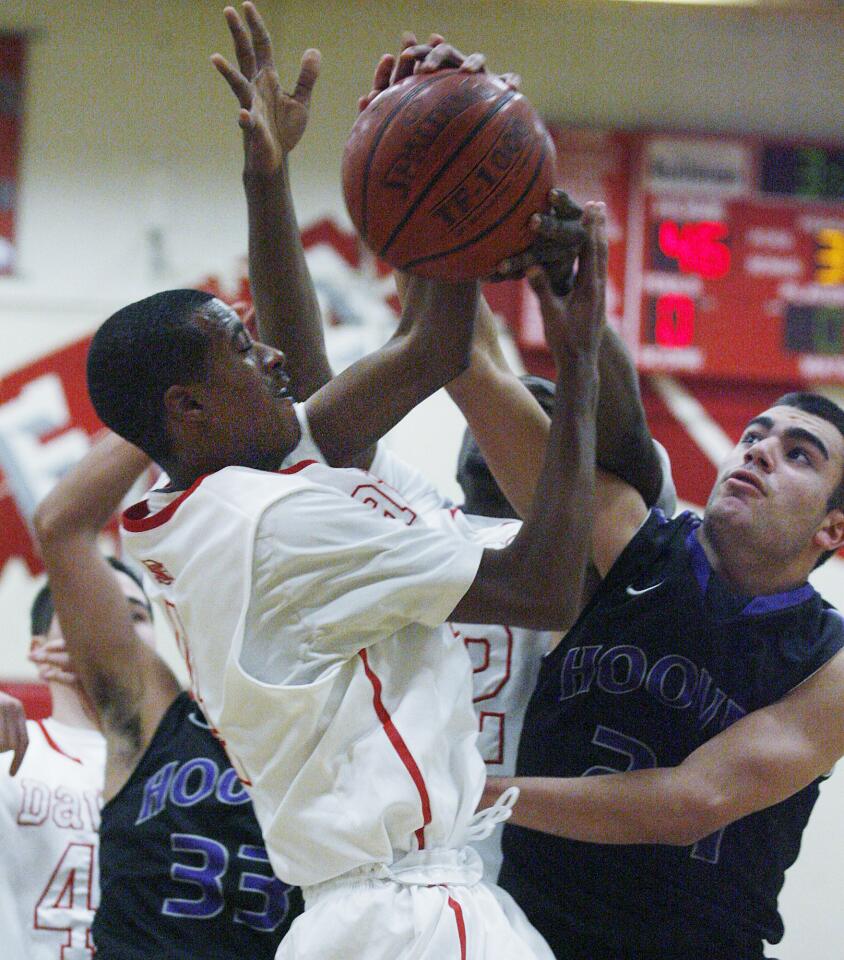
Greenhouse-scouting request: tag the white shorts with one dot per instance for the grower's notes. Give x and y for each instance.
(416, 916)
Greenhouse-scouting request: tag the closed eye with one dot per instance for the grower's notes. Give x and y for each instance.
(243, 342)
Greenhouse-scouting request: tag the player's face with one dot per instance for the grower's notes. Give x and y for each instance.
(777, 482)
(249, 416)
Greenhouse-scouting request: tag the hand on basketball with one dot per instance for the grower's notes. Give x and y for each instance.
(13, 730)
(429, 57)
(559, 237)
(574, 323)
(53, 662)
(272, 121)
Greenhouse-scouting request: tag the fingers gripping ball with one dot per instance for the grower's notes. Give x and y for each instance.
(442, 172)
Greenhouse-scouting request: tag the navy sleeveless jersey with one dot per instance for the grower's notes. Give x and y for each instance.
(663, 658)
(184, 873)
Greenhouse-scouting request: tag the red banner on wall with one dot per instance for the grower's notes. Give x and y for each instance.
(46, 422)
(12, 63)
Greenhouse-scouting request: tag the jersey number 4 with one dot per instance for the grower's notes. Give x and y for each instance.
(67, 904)
(639, 756)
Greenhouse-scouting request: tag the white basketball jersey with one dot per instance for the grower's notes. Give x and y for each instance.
(352, 721)
(505, 660)
(49, 818)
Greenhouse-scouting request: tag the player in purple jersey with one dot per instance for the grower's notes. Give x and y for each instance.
(776, 511)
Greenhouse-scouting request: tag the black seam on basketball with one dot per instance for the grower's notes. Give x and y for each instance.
(423, 85)
(432, 181)
(468, 243)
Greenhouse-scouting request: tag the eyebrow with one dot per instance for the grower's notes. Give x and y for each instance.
(793, 433)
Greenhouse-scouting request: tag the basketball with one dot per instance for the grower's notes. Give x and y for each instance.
(442, 172)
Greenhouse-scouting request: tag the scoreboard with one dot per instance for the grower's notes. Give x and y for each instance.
(726, 253)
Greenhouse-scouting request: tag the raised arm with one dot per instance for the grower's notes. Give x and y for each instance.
(511, 427)
(537, 580)
(128, 684)
(430, 348)
(759, 761)
(273, 122)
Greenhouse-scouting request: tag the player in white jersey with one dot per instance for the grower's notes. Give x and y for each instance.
(50, 798)
(306, 617)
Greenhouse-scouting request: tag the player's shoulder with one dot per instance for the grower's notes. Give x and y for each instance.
(57, 746)
(247, 489)
(657, 537)
(832, 624)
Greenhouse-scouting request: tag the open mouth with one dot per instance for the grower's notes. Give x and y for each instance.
(279, 386)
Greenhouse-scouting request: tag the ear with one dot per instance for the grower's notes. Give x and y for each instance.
(830, 536)
(184, 402)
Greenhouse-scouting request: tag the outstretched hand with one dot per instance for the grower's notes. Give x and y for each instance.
(13, 734)
(574, 323)
(272, 121)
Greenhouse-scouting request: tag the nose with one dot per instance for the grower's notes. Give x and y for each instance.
(272, 359)
(762, 454)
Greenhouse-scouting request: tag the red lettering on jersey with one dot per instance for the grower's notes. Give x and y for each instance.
(159, 571)
(491, 724)
(35, 803)
(374, 495)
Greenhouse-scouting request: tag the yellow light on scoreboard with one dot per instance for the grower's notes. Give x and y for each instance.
(829, 257)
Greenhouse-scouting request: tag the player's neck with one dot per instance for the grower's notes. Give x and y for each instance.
(745, 571)
(70, 709)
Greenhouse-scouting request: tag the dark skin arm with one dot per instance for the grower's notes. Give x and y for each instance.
(13, 735)
(273, 123)
(128, 684)
(532, 582)
(431, 347)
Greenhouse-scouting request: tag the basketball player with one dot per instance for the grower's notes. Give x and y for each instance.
(50, 797)
(181, 854)
(184, 869)
(694, 626)
(356, 731)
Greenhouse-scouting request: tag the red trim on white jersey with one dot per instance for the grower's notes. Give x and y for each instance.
(400, 747)
(52, 743)
(297, 466)
(461, 925)
(138, 519)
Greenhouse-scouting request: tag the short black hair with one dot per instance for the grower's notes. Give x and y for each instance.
(483, 496)
(42, 611)
(137, 354)
(820, 406)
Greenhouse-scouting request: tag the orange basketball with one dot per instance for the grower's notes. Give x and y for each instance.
(442, 172)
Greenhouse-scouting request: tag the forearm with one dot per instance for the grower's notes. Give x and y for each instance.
(536, 581)
(624, 445)
(509, 425)
(286, 305)
(82, 502)
(368, 399)
(555, 539)
(642, 806)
